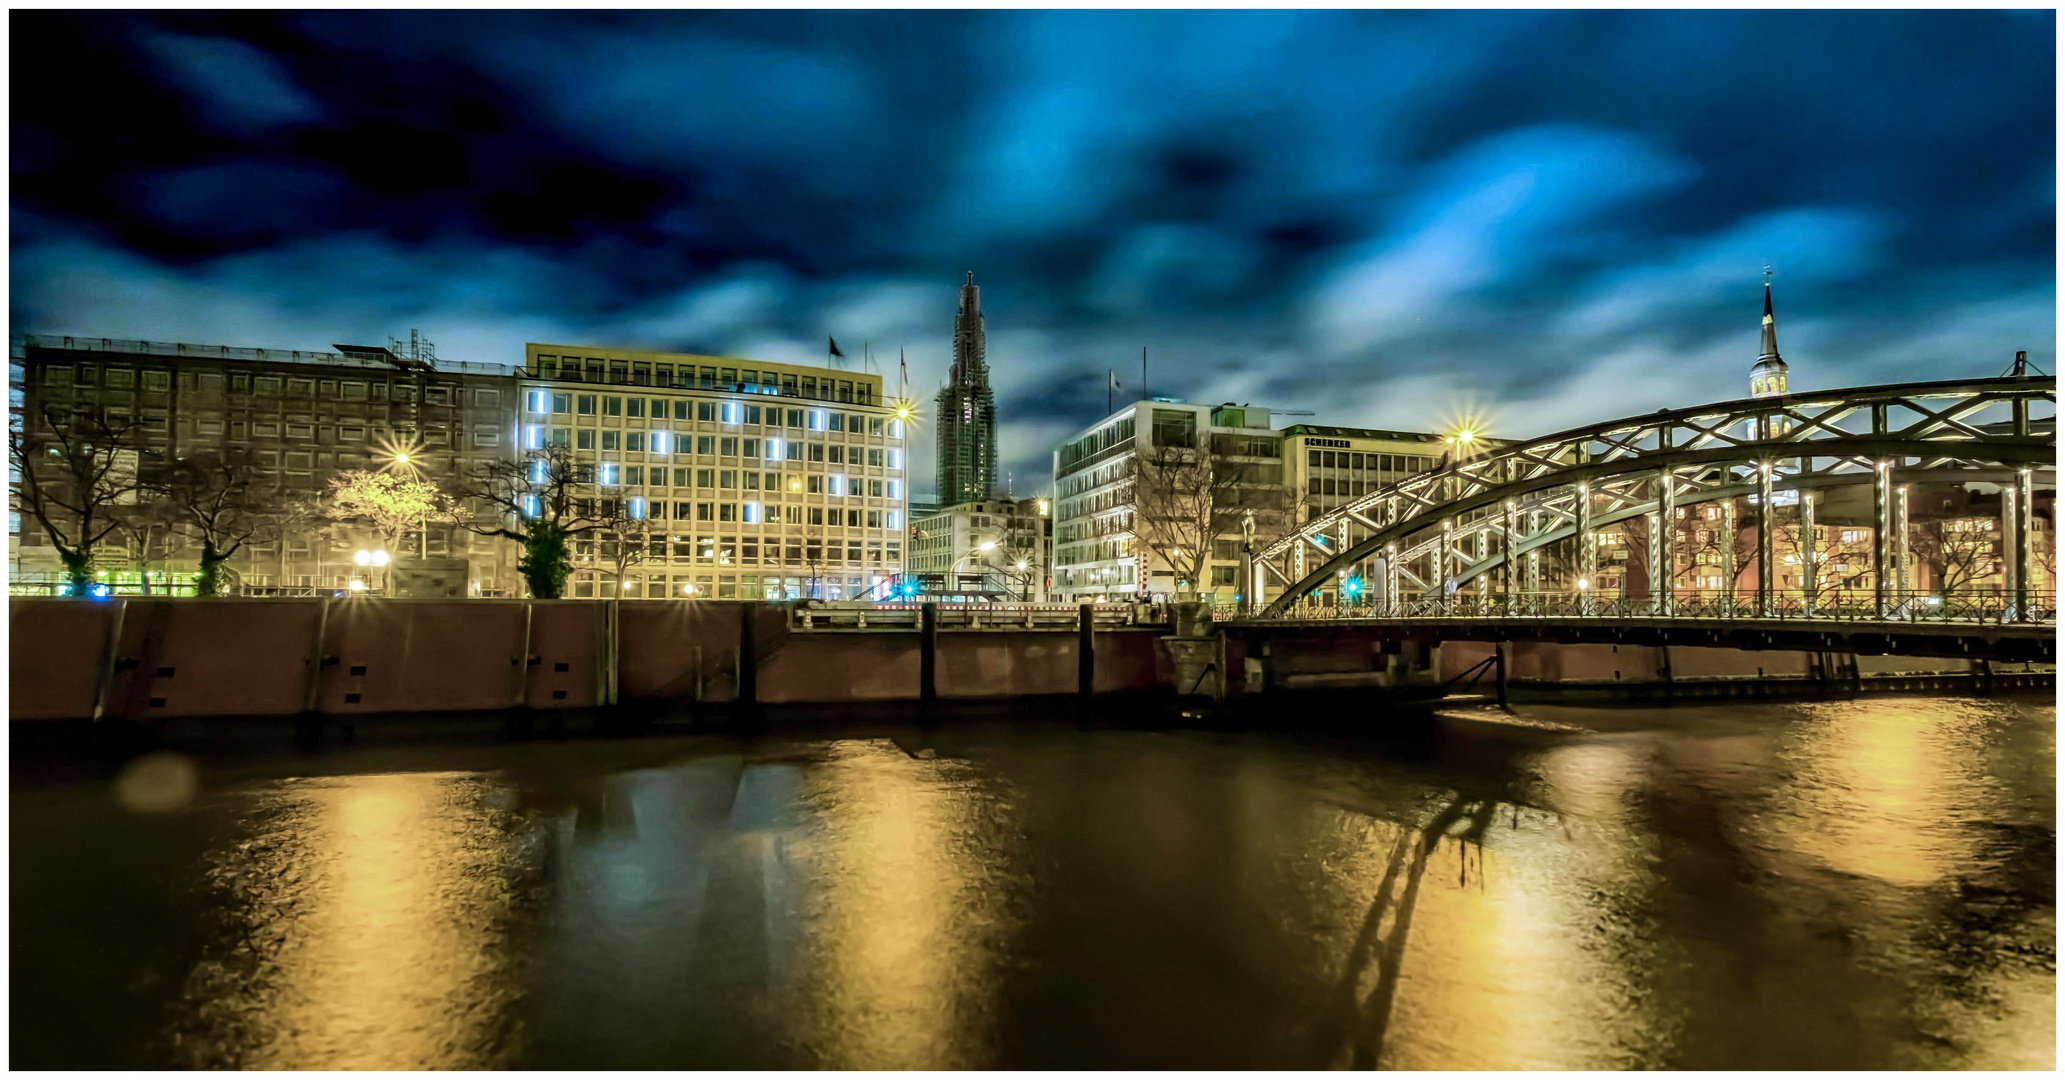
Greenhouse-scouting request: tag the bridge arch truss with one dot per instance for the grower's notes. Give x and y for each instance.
(1484, 522)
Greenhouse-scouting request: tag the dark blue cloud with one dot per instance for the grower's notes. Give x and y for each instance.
(1387, 217)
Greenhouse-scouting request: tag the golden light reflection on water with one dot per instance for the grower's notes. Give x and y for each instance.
(909, 906)
(1880, 789)
(1489, 928)
(1861, 884)
(367, 915)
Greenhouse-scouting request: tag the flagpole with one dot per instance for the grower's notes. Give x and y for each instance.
(1143, 371)
(1109, 379)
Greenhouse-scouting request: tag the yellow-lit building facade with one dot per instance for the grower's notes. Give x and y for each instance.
(758, 480)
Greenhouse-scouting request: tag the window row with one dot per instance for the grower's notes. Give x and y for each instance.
(711, 377)
(613, 474)
(588, 586)
(547, 402)
(158, 380)
(663, 443)
(1350, 459)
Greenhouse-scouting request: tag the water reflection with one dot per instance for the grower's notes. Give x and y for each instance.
(1850, 884)
(911, 902)
(362, 927)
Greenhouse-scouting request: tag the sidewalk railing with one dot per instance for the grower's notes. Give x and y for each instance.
(908, 616)
(1979, 608)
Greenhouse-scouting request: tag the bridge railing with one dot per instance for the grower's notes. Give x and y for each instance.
(1980, 608)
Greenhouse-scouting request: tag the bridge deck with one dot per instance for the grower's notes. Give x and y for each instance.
(2012, 642)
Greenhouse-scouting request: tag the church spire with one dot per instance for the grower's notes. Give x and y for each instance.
(966, 412)
(1768, 376)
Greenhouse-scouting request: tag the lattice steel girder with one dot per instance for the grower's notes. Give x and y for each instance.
(1815, 419)
(1537, 541)
(2033, 451)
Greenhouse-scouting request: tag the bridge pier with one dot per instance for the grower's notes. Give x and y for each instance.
(1765, 606)
(1810, 577)
(1881, 534)
(1729, 571)
(2016, 505)
(1663, 550)
(1587, 553)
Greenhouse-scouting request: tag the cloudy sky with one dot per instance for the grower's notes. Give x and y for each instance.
(1389, 219)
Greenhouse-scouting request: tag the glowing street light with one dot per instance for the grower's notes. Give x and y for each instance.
(986, 545)
(356, 585)
(370, 558)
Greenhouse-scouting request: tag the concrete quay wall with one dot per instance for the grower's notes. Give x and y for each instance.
(143, 659)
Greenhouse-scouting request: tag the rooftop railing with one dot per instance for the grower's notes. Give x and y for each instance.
(232, 352)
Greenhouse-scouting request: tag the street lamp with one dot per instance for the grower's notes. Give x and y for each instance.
(364, 557)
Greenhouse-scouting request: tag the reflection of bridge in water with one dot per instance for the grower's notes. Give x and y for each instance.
(1505, 545)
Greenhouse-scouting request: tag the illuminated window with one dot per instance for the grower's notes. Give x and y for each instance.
(817, 419)
(637, 509)
(895, 519)
(533, 437)
(837, 484)
(729, 412)
(896, 429)
(607, 474)
(530, 506)
(660, 440)
(537, 401)
(895, 458)
(750, 513)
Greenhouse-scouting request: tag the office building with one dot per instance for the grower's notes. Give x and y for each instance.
(759, 480)
(1105, 543)
(302, 417)
(993, 550)
(1329, 466)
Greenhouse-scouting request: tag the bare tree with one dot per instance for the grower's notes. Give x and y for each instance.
(151, 529)
(223, 502)
(623, 536)
(75, 471)
(2044, 549)
(1957, 551)
(1183, 500)
(1634, 539)
(542, 501)
(395, 505)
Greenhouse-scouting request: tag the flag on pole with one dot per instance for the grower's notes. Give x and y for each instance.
(835, 346)
(1114, 379)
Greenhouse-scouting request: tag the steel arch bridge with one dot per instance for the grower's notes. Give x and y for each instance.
(1468, 539)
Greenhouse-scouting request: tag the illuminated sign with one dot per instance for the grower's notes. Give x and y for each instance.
(1338, 444)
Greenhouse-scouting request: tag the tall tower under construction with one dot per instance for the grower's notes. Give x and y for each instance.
(966, 412)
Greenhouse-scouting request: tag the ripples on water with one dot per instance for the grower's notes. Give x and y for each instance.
(1851, 884)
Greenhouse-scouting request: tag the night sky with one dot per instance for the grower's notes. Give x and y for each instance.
(1390, 219)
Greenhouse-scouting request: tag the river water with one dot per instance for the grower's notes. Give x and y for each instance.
(1858, 884)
